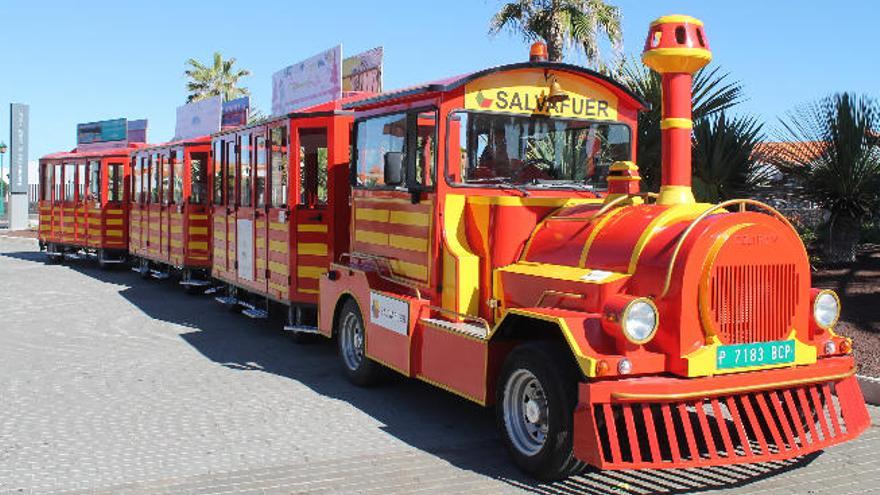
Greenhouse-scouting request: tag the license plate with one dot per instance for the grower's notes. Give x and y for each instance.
(758, 354)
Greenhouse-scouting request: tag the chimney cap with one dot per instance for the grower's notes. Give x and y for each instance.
(676, 44)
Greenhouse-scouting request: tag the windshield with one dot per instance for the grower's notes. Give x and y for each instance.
(531, 151)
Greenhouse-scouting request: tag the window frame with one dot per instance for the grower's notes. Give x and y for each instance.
(264, 202)
(177, 157)
(244, 147)
(217, 174)
(451, 183)
(115, 182)
(90, 186)
(410, 185)
(284, 185)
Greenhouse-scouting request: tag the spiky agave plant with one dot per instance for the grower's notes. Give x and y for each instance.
(724, 159)
(713, 92)
(833, 144)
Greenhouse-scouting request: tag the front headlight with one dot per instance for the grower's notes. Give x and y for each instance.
(639, 320)
(826, 308)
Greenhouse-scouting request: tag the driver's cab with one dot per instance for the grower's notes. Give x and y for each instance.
(450, 179)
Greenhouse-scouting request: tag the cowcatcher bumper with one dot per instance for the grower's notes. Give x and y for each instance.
(665, 422)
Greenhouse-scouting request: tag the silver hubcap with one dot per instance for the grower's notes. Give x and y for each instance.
(352, 335)
(525, 412)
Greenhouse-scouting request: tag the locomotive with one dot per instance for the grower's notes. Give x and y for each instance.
(487, 234)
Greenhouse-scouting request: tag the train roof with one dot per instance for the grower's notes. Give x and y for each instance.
(333, 107)
(180, 142)
(76, 153)
(451, 83)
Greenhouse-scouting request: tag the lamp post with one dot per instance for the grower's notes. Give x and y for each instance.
(2, 181)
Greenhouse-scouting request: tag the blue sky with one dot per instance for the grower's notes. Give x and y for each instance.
(88, 60)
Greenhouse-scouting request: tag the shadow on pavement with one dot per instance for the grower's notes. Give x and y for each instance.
(439, 423)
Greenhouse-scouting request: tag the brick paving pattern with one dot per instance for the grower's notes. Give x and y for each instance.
(110, 384)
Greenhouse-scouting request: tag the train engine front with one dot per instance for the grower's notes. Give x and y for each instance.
(695, 325)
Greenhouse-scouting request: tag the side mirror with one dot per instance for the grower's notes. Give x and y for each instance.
(393, 168)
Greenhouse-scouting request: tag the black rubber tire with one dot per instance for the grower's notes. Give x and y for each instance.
(51, 259)
(369, 372)
(549, 364)
(103, 265)
(145, 274)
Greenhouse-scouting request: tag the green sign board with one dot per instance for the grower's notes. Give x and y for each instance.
(758, 354)
(102, 132)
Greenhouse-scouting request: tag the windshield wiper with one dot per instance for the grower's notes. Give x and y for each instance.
(502, 185)
(507, 185)
(564, 185)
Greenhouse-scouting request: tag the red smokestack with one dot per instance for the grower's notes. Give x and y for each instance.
(676, 48)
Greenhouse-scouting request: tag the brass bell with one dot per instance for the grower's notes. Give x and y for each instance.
(557, 94)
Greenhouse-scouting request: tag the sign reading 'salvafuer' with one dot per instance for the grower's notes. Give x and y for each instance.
(525, 92)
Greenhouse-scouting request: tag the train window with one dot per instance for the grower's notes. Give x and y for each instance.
(246, 186)
(136, 180)
(499, 150)
(278, 146)
(45, 182)
(80, 181)
(376, 139)
(313, 166)
(230, 163)
(217, 180)
(198, 175)
(95, 181)
(145, 180)
(177, 170)
(69, 182)
(154, 179)
(57, 179)
(261, 171)
(167, 179)
(426, 148)
(115, 182)
(411, 135)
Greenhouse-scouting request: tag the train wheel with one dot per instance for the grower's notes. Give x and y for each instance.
(52, 257)
(534, 410)
(350, 337)
(144, 267)
(102, 260)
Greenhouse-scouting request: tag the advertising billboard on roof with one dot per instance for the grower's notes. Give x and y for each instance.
(363, 72)
(199, 118)
(318, 79)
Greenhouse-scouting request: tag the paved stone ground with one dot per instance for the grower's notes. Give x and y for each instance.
(114, 385)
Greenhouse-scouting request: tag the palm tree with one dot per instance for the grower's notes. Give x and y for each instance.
(724, 159)
(562, 23)
(834, 146)
(220, 79)
(713, 92)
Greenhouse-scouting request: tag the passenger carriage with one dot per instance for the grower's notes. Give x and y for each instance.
(169, 228)
(280, 210)
(83, 204)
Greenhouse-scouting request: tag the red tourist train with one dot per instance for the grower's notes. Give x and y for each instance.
(488, 235)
